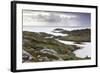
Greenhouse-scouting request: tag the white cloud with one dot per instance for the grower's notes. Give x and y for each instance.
(42, 18)
(34, 13)
(67, 16)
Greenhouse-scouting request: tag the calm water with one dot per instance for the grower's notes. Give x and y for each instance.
(83, 52)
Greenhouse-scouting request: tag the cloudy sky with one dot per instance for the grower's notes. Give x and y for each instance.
(51, 18)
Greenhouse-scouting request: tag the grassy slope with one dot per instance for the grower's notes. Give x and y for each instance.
(83, 35)
(39, 42)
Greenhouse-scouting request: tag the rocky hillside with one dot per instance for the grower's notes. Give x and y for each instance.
(41, 46)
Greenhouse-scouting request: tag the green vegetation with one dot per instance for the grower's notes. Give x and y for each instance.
(35, 41)
(83, 35)
(49, 49)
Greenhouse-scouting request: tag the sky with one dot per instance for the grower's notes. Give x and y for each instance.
(51, 18)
